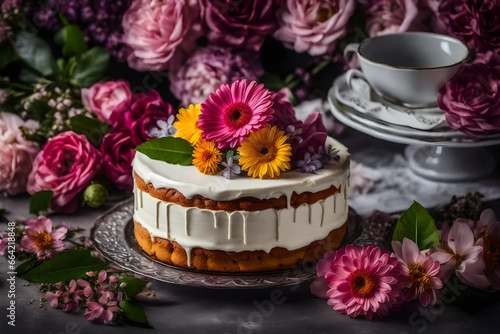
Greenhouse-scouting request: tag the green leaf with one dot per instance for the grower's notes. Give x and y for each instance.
(134, 312)
(67, 265)
(133, 286)
(40, 201)
(272, 81)
(91, 128)
(27, 75)
(7, 54)
(169, 149)
(35, 52)
(417, 225)
(91, 67)
(72, 40)
(26, 266)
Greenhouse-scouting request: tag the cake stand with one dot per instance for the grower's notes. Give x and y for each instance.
(439, 154)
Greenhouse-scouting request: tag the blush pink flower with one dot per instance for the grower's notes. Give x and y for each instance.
(314, 26)
(65, 165)
(487, 233)
(365, 281)
(16, 153)
(4, 240)
(423, 273)
(104, 309)
(158, 32)
(118, 151)
(242, 24)
(67, 297)
(232, 112)
(103, 97)
(458, 254)
(41, 239)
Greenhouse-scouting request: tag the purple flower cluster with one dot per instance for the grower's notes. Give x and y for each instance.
(100, 20)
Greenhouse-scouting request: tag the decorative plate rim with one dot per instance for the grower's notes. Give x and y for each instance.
(112, 239)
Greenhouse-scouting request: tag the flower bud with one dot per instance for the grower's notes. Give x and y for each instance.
(95, 195)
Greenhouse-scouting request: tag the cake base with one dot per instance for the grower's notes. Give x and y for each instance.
(278, 258)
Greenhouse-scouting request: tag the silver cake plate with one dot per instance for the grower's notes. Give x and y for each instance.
(112, 235)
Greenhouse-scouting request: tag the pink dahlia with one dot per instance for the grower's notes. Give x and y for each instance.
(365, 281)
(314, 26)
(423, 273)
(232, 112)
(158, 32)
(458, 253)
(41, 239)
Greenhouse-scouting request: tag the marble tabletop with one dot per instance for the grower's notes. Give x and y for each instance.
(292, 309)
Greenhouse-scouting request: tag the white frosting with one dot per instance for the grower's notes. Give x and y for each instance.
(238, 231)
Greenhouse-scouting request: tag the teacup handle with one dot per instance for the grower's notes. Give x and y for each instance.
(351, 74)
(349, 50)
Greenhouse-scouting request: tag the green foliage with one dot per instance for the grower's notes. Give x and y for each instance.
(40, 201)
(169, 149)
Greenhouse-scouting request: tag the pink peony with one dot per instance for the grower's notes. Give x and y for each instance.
(314, 26)
(476, 22)
(232, 112)
(103, 97)
(423, 273)
(363, 281)
(159, 32)
(471, 98)
(394, 16)
(460, 255)
(65, 165)
(142, 115)
(208, 68)
(243, 24)
(16, 153)
(118, 151)
(41, 239)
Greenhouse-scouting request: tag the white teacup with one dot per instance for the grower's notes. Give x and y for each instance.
(409, 68)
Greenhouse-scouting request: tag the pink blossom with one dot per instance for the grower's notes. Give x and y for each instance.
(423, 273)
(458, 253)
(66, 297)
(314, 26)
(363, 281)
(65, 165)
(487, 233)
(16, 153)
(41, 239)
(320, 285)
(4, 240)
(97, 283)
(104, 310)
(160, 32)
(103, 97)
(118, 151)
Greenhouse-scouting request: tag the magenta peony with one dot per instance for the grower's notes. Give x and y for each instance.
(141, 115)
(42, 239)
(232, 112)
(66, 165)
(476, 22)
(239, 23)
(210, 67)
(103, 97)
(118, 151)
(158, 32)
(314, 26)
(471, 98)
(394, 16)
(16, 153)
(362, 281)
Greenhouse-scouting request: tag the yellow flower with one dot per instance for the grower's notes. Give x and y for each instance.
(265, 153)
(206, 157)
(187, 124)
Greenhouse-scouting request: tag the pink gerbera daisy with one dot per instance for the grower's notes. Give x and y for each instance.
(365, 281)
(232, 112)
(39, 238)
(423, 273)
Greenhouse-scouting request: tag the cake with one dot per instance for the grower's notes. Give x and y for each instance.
(202, 221)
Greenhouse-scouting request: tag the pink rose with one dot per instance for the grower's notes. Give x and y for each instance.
(243, 24)
(471, 98)
(142, 115)
(314, 26)
(394, 16)
(16, 154)
(118, 151)
(66, 165)
(103, 97)
(156, 30)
